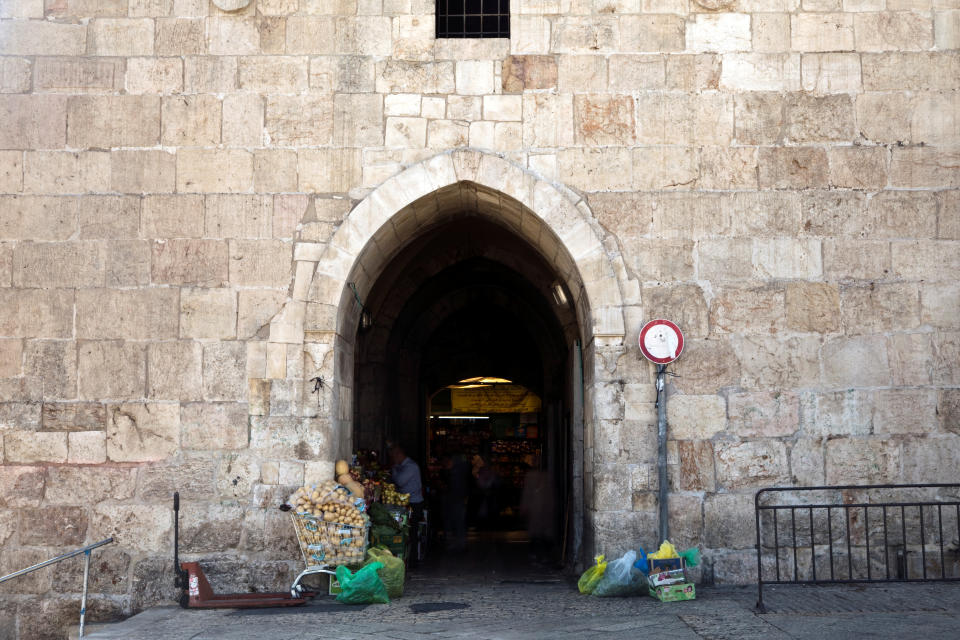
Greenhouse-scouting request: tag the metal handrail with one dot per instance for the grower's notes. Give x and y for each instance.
(86, 572)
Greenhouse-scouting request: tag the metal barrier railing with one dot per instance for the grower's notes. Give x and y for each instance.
(86, 572)
(849, 533)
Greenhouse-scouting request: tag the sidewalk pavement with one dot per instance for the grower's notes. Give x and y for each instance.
(549, 607)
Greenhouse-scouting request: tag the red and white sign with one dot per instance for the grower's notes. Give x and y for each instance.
(661, 341)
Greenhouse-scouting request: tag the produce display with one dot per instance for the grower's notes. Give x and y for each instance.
(390, 495)
(330, 523)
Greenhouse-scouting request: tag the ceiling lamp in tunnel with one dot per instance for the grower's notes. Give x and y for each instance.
(559, 295)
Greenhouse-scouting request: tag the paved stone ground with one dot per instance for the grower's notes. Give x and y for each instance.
(551, 607)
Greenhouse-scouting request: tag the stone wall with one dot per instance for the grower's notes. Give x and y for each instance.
(781, 177)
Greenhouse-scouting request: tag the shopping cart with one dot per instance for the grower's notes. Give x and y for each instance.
(327, 545)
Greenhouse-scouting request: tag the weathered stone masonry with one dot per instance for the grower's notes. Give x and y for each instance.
(185, 191)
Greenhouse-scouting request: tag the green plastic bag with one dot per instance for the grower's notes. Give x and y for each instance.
(362, 587)
(392, 573)
(588, 581)
(691, 557)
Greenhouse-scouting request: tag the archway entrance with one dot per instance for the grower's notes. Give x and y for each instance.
(467, 362)
(529, 220)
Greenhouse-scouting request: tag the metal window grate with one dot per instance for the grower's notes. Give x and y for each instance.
(473, 18)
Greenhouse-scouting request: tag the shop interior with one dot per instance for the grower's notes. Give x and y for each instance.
(468, 363)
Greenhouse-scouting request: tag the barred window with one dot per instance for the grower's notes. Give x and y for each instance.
(473, 18)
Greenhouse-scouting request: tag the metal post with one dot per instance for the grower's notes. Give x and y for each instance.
(83, 599)
(662, 452)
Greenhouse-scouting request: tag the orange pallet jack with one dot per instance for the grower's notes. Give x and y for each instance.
(196, 592)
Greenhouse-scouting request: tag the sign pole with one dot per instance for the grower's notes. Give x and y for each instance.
(662, 452)
(661, 342)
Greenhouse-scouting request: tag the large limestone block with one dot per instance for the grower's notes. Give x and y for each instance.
(822, 32)
(305, 120)
(214, 426)
(793, 167)
(946, 358)
(121, 37)
(719, 32)
(208, 313)
(209, 74)
(132, 314)
(906, 71)
(55, 362)
(232, 35)
(577, 73)
(629, 73)
(190, 120)
(34, 446)
(683, 303)
(855, 362)
(939, 305)
(911, 358)
(273, 74)
(856, 259)
(685, 119)
(603, 120)
(214, 170)
(42, 38)
(343, 74)
(863, 461)
(946, 27)
(22, 9)
(694, 468)
(782, 258)
(142, 171)
(224, 371)
(707, 366)
(22, 486)
(11, 171)
(827, 73)
(51, 172)
(238, 216)
(858, 167)
(37, 218)
(764, 414)
(180, 36)
(948, 410)
(78, 75)
(665, 167)
(880, 307)
(175, 370)
(696, 417)
(141, 527)
(109, 217)
(901, 411)
(837, 413)
(930, 260)
(893, 31)
(142, 432)
(931, 459)
(255, 310)
(127, 263)
(529, 73)
(770, 32)
(172, 216)
(761, 72)
(37, 313)
(87, 486)
(748, 309)
(924, 167)
(260, 262)
(812, 307)
(15, 75)
(729, 521)
(819, 118)
(11, 358)
(237, 474)
(73, 417)
(759, 117)
(408, 76)
(547, 120)
(778, 363)
(585, 34)
(275, 170)
(751, 464)
(113, 121)
(52, 264)
(33, 122)
(358, 120)
(87, 447)
(653, 33)
(111, 370)
(728, 168)
(834, 213)
(242, 120)
(364, 35)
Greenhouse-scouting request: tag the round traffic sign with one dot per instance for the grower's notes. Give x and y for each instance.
(661, 341)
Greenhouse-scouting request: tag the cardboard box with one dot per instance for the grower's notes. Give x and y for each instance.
(674, 592)
(672, 576)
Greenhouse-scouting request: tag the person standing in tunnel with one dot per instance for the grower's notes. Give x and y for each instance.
(406, 475)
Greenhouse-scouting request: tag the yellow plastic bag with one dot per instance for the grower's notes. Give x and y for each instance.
(588, 581)
(665, 552)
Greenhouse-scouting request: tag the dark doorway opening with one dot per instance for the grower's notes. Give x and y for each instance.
(468, 299)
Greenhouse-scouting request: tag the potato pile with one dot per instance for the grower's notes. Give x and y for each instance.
(340, 527)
